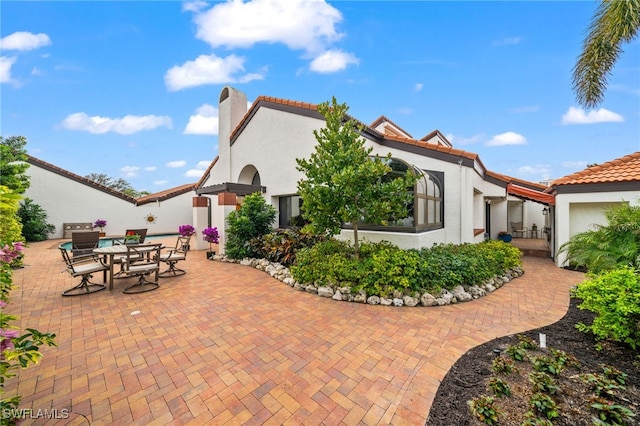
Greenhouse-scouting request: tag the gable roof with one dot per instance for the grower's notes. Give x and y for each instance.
(389, 127)
(423, 146)
(158, 196)
(623, 169)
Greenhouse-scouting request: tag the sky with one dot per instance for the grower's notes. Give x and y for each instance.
(130, 89)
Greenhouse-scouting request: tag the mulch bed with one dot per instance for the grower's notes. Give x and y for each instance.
(469, 376)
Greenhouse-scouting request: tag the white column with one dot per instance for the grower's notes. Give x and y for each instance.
(219, 212)
(200, 221)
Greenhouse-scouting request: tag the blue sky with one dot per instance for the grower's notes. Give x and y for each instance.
(130, 89)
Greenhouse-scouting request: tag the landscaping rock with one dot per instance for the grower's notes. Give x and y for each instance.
(289, 281)
(298, 286)
(361, 297)
(325, 291)
(373, 300)
(246, 262)
(386, 302)
(397, 302)
(397, 294)
(428, 300)
(410, 301)
(337, 295)
(460, 294)
(311, 289)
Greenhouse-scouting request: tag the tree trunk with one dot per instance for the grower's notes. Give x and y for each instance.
(356, 246)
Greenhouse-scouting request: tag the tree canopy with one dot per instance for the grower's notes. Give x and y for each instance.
(614, 23)
(119, 184)
(13, 164)
(344, 183)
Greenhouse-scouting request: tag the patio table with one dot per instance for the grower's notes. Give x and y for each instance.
(109, 252)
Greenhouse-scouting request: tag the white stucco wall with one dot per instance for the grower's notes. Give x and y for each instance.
(66, 200)
(575, 213)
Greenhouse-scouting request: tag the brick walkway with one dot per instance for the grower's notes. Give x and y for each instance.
(226, 344)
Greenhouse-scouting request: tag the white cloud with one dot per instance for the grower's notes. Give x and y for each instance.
(578, 116)
(524, 109)
(194, 6)
(574, 164)
(194, 173)
(204, 122)
(209, 69)
(6, 63)
(457, 140)
(160, 182)
(418, 87)
(150, 169)
(126, 125)
(507, 40)
(332, 61)
(199, 170)
(176, 164)
(298, 24)
(36, 71)
(130, 171)
(507, 138)
(23, 40)
(539, 169)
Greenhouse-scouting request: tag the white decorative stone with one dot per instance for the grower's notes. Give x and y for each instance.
(311, 289)
(361, 297)
(325, 291)
(397, 302)
(410, 301)
(428, 300)
(337, 296)
(386, 302)
(373, 300)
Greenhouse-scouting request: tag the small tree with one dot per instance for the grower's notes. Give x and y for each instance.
(254, 219)
(34, 221)
(344, 183)
(13, 163)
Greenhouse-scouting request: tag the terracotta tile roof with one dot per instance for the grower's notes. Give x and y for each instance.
(521, 182)
(623, 169)
(166, 194)
(422, 143)
(530, 194)
(383, 119)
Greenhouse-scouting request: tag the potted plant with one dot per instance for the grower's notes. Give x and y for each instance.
(211, 236)
(100, 223)
(504, 236)
(186, 231)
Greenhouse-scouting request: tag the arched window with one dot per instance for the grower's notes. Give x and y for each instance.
(426, 210)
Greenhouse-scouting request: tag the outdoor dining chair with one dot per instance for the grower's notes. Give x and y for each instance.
(82, 266)
(173, 256)
(141, 233)
(141, 261)
(517, 228)
(83, 243)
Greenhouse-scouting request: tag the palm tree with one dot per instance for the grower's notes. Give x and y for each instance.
(615, 22)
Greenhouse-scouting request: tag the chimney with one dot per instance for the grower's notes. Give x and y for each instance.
(231, 109)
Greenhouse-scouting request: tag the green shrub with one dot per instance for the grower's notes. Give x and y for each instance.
(281, 245)
(544, 404)
(610, 246)
(615, 298)
(484, 409)
(499, 387)
(610, 413)
(254, 219)
(34, 221)
(383, 267)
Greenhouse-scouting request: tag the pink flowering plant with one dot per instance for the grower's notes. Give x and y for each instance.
(16, 350)
(186, 230)
(210, 235)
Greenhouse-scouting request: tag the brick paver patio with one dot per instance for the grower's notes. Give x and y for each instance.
(227, 344)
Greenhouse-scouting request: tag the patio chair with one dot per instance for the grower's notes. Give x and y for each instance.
(83, 266)
(83, 243)
(141, 261)
(517, 228)
(141, 232)
(173, 256)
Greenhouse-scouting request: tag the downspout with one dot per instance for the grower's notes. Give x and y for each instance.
(461, 198)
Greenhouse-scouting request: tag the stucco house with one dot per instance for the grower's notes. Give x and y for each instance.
(70, 198)
(456, 200)
(582, 198)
